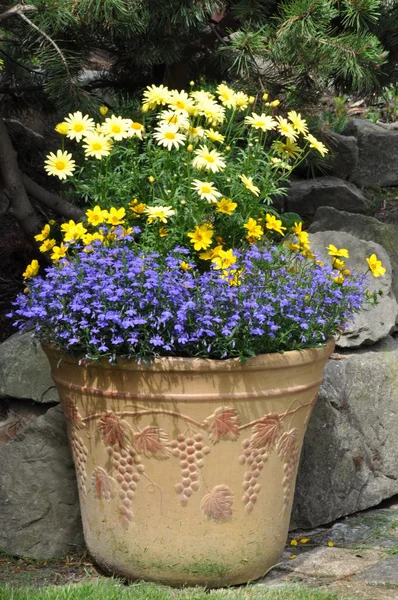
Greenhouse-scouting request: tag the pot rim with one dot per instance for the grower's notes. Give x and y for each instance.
(272, 360)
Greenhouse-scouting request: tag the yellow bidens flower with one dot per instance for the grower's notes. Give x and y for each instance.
(97, 145)
(155, 95)
(263, 122)
(116, 216)
(338, 264)
(375, 266)
(286, 128)
(58, 252)
(31, 270)
(103, 110)
(167, 135)
(224, 259)
(201, 237)
(43, 235)
(47, 245)
(271, 222)
(209, 160)
(138, 208)
(226, 206)
(163, 232)
(211, 253)
(116, 127)
(62, 128)
(298, 122)
(293, 543)
(333, 251)
(61, 164)
(151, 179)
(79, 126)
(185, 266)
(96, 216)
(206, 190)
(249, 185)
(331, 544)
(73, 231)
(161, 213)
(314, 143)
(254, 230)
(214, 136)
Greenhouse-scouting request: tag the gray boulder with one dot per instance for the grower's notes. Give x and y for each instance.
(365, 228)
(349, 459)
(377, 154)
(373, 323)
(39, 507)
(305, 197)
(343, 154)
(25, 371)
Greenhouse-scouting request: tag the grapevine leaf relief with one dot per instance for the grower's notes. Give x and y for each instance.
(71, 412)
(152, 442)
(103, 484)
(266, 432)
(223, 424)
(217, 505)
(288, 450)
(115, 431)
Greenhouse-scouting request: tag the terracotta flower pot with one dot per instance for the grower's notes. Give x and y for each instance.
(186, 469)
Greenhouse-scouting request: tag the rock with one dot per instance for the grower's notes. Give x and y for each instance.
(343, 156)
(389, 126)
(15, 414)
(373, 323)
(334, 562)
(305, 197)
(377, 154)
(349, 460)
(25, 371)
(365, 228)
(385, 572)
(39, 508)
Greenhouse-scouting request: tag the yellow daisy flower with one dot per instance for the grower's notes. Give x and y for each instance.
(116, 127)
(241, 100)
(209, 160)
(171, 117)
(314, 143)
(155, 95)
(214, 136)
(180, 101)
(61, 164)
(167, 135)
(249, 185)
(286, 128)
(226, 96)
(161, 213)
(206, 190)
(287, 148)
(97, 145)
(135, 129)
(298, 122)
(263, 122)
(79, 125)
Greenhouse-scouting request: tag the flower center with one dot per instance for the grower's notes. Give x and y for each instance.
(209, 158)
(60, 165)
(136, 126)
(116, 129)
(97, 146)
(206, 189)
(180, 104)
(169, 135)
(78, 127)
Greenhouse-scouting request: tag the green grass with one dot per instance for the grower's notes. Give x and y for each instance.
(115, 590)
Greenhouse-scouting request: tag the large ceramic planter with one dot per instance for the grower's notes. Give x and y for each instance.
(186, 469)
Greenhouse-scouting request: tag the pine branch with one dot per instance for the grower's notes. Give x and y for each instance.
(18, 9)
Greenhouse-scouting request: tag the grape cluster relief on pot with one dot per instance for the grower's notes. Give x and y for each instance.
(128, 446)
